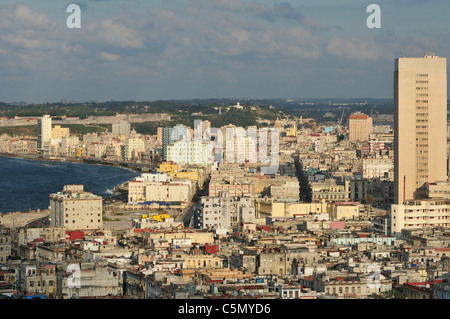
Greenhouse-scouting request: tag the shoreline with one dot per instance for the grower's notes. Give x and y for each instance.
(138, 168)
(117, 189)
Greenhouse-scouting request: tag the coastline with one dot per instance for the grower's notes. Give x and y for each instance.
(22, 218)
(139, 168)
(30, 214)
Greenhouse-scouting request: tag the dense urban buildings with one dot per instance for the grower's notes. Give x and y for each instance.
(204, 218)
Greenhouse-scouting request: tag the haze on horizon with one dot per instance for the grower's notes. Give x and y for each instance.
(184, 49)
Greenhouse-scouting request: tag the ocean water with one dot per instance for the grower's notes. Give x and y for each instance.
(26, 184)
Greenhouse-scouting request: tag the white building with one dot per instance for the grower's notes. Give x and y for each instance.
(75, 209)
(377, 167)
(159, 191)
(133, 146)
(230, 213)
(69, 144)
(122, 128)
(44, 131)
(417, 214)
(190, 152)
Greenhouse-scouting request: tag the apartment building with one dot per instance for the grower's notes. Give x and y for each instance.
(133, 147)
(88, 279)
(220, 188)
(75, 209)
(59, 132)
(190, 152)
(350, 287)
(381, 168)
(123, 128)
(417, 214)
(224, 212)
(5, 244)
(360, 127)
(329, 190)
(44, 131)
(35, 277)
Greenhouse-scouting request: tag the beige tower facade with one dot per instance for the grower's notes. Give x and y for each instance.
(420, 123)
(360, 126)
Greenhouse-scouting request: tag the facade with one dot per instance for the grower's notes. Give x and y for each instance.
(5, 244)
(168, 192)
(349, 288)
(289, 191)
(420, 124)
(226, 189)
(191, 152)
(59, 132)
(133, 146)
(86, 279)
(377, 168)
(36, 278)
(44, 131)
(438, 189)
(224, 212)
(170, 135)
(122, 128)
(69, 145)
(75, 209)
(342, 211)
(417, 214)
(159, 191)
(329, 190)
(360, 127)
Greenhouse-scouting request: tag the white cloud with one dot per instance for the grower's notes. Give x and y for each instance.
(354, 48)
(114, 33)
(109, 56)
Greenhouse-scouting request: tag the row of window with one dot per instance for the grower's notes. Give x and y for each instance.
(73, 221)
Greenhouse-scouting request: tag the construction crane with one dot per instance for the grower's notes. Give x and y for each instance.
(341, 119)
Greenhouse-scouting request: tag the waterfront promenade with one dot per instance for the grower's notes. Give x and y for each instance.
(21, 219)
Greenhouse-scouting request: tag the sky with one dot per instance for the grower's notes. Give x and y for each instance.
(146, 50)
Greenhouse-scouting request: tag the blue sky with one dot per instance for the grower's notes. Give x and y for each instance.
(176, 49)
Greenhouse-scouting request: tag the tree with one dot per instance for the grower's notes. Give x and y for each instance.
(390, 294)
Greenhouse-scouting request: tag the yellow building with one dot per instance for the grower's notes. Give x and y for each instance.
(59, 132)
(190, 175)
(199, 261)
(341, 211)
(291, 131)
(168, 167)
(79, 152)
(288, 209)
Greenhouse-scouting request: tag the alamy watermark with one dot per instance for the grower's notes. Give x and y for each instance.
(74, 19)
(74, 279)
(374, 279)
(374, 20)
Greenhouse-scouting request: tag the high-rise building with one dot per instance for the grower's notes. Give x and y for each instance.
(170, 135)
(420, 124)
(360, 127)
(44, 131)
(122, 128)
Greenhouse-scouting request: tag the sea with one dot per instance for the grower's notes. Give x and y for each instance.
(26, 184)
